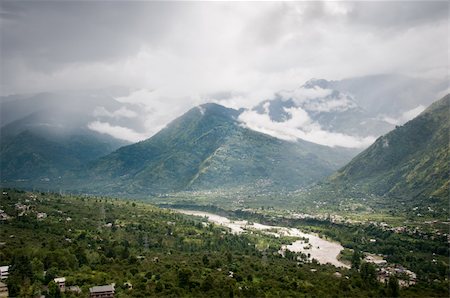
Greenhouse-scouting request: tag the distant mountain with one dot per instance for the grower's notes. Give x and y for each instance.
(208, 148)
(390, 94)
(412, 161)
(360, 107)
(50, 141)
(334, 110)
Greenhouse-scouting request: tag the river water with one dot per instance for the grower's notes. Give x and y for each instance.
(324, 251)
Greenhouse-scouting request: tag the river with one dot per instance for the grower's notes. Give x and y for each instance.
(324, 251)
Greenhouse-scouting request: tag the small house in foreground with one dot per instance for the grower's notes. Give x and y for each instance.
(61, 282)
(102, 291)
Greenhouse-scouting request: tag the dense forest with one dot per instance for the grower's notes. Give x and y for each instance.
(148, 251)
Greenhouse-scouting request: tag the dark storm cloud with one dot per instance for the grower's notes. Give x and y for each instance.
(192, 48)
(46, 34)
(49, 33)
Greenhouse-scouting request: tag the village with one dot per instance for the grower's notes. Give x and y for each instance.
(30, 206)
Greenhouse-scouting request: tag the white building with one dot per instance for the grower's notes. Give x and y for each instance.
(4, 272)
(61, 282)
(41, 215)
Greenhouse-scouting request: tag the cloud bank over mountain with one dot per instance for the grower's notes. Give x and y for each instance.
(300, 126)
(175, 55)
(190, 49)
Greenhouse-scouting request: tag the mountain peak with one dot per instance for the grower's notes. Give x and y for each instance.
(313, 83)
(205, 149)
(217, 110)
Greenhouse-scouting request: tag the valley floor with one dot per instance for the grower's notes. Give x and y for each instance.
(146, 251)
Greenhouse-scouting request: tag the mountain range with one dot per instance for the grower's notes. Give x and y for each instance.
(334, 110)
(362, 107)
(208, 148)
(211, 148)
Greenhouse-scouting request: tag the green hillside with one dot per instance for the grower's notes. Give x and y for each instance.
(409, 162)
(33, 155)
(207, 148)
(46, 145)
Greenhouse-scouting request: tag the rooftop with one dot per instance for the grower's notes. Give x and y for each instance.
(96, 289)
(60, 279)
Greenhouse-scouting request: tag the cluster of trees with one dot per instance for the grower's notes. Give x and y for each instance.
(147, 251)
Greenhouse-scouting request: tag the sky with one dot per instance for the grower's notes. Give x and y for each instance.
(175, 55)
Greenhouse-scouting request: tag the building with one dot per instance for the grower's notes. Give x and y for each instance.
(21, 209)
(4, 272)
(3, 290)
(61, 282)
(74, 289)
(102, 291)
(3, 215)
(41, 215)
(405, 277)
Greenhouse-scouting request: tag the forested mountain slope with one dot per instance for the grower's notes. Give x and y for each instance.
(208, 148)
(411, 161)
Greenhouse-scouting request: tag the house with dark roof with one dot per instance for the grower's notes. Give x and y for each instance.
(106, 291)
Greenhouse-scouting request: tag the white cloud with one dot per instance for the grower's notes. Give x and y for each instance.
(318, 99)
(139, 97)
(175, 55)
(119, 132)
(301, 95)
(405, 116)
(443, 93)
(300, 126)
(411, 114)
(330, 105)
(157, 109)
(192, 49)
(122, 112)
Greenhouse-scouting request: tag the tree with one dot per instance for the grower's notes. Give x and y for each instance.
(356, 259)
(229, 257)
(208, 283)
(368, 273)
(393, 287)
(184, 276)
(53, 290)
(51, 274)
(22, 267)
(38, 269)
(205, 260)
(20, 274)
